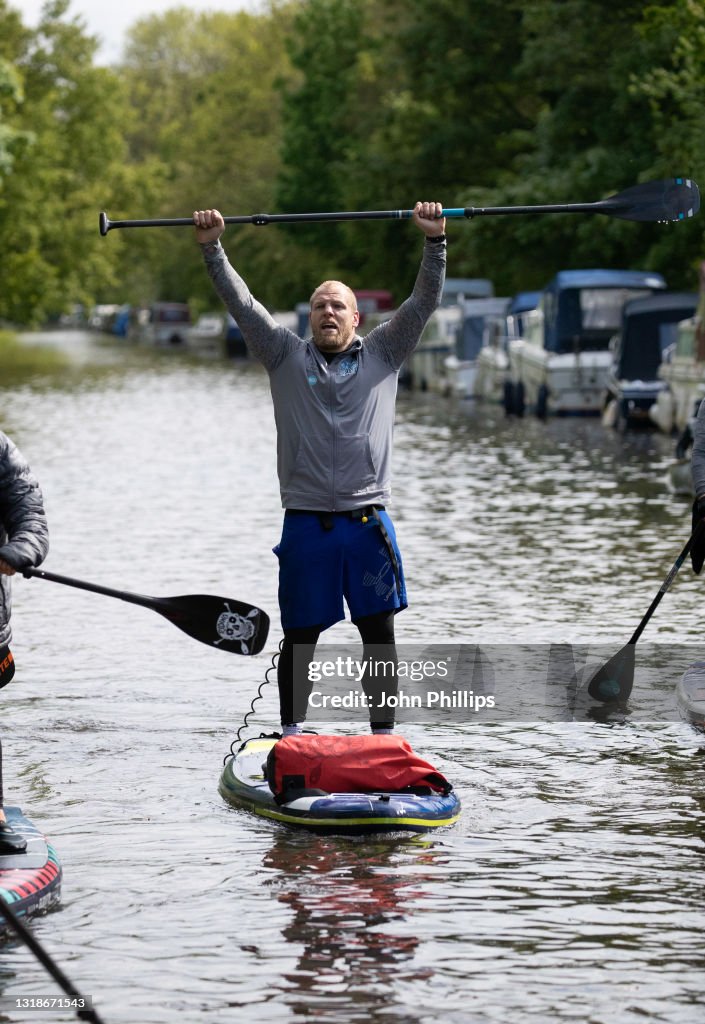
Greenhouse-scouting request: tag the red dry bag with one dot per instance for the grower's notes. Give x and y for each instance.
(349, 764)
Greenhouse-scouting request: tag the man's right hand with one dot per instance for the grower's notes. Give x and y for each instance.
(209, 225)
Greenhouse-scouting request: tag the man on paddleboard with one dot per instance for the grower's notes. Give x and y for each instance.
(24, 542)
(334, 397)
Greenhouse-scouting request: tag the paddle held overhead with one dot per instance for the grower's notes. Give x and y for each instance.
(673, 199)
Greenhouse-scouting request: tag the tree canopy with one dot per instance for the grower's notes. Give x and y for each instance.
(341, 104)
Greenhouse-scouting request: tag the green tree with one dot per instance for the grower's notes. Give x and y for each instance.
(595, 133)
(398, 100)
(62, 172)
(10, 138)
(671, 81)
(209, 117)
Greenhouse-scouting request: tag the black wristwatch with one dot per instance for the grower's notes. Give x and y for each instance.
(435, 239)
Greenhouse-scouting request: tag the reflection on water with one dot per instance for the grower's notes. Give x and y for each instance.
(344, 909)
(571, 888)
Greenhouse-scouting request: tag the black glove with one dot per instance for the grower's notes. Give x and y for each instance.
(697, 552)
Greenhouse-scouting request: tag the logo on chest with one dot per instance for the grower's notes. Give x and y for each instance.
(347, 366)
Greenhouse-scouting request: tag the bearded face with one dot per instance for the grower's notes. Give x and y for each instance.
(334, 317)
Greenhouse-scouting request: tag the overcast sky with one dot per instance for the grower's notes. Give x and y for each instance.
(110, 19)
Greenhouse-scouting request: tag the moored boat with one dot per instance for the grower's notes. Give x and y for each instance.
(492, 359)
(243, 784)
(479, 316)
(208, 334)
(560, 365)
(163, 324)
(683, 373)
(444, 361)
(427, 363)
(649, 327)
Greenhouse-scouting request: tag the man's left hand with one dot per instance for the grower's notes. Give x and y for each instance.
(429, 217)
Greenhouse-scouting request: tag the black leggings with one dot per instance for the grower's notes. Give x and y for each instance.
(375, 630)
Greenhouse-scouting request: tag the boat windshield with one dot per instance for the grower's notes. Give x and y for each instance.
(601, 308)
(588, 317)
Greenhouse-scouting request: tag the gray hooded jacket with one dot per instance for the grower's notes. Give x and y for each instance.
(698, 463)
(24, 535)
(334, 420)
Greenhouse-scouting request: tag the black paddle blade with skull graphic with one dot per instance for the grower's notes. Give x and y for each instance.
(221, 622)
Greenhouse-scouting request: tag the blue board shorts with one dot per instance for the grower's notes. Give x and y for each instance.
(320, 567)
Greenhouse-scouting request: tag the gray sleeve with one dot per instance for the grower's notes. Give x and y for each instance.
(266, 340)
(397, 338)
(21, 510)
(698, 464)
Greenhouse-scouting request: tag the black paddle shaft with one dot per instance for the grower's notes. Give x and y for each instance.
(673, 199)
(614, 680)
(668, 581)
(220, 622)
(84, 1013)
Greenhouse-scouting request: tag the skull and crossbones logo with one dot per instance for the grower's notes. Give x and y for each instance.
(233, 626)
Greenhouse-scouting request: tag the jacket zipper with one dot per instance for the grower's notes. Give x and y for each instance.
(334, 425)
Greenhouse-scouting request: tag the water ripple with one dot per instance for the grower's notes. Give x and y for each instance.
(571, 888)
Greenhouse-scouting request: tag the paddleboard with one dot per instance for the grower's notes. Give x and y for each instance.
(31, 881)
(690, 694)
(243, 784)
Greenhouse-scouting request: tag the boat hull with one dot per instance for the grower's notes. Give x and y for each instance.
(560, 384)
(243, 785)
(491, 376)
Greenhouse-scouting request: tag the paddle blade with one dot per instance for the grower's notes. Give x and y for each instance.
(613, 683)
(670, 200)
(219, 622)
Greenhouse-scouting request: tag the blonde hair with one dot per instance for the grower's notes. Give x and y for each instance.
(326, 284)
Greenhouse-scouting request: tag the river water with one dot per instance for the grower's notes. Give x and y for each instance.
(571, 888)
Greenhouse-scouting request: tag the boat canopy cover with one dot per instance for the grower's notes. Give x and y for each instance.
(472, 329)
(648, 327)
(523, 301)
(455, 288)
(582, 308)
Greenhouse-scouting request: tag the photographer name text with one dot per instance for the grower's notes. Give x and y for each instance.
(430, 699)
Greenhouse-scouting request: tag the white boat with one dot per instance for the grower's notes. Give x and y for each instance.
(561, 363)
(458, 289)
(444, 359)
(648, 330)
(208, 334)
(163, 324)
(492, 360)
(478, 317)
(427, 369)
(683, 374)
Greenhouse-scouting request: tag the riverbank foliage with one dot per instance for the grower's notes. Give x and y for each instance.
(341, 104)
(18, 361)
